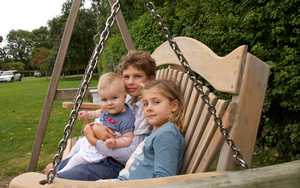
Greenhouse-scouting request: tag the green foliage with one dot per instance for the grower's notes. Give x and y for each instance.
(113, 51)
(20, 44)
(143, 35)
(271, 31)
(40, 59)
(82, 43)
(41, 38)
(40, 55)
(12, 66)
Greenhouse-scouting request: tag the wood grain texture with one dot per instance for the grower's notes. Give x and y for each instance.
(223, 73)
(286, 175)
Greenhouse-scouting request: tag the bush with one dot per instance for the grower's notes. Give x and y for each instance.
(271, 31)
(12, 66)
(112, 54)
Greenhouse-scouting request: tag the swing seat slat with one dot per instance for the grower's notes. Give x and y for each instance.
(282, 175)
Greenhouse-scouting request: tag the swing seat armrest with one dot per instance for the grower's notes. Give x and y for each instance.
(84, 106)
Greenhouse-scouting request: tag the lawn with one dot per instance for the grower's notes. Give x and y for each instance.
(20, 109)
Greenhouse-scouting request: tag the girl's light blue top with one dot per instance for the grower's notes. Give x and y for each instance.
(160, 155)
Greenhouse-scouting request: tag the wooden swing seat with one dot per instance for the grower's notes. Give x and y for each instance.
(239, 74)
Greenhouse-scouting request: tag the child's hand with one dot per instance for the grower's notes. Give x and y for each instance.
(111, 143)
(83, 115)
(101, 132)
(88, 132)
(88, 116)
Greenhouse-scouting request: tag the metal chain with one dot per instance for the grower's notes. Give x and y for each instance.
(199, 86)
(82, 90)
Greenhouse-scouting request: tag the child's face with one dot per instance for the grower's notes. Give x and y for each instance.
(112, 100)
(133, 79)
(157, 108)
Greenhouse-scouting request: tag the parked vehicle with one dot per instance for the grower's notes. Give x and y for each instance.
(37, 74)
(10, 76)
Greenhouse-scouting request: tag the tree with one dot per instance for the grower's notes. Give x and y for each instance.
(82, 41)
(81, 44)
(3, 55)
(41, 38)
(12, 66)
(41, 59)
(19, 46)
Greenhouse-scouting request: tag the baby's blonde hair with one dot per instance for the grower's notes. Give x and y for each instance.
(170, 90)
(111, 80)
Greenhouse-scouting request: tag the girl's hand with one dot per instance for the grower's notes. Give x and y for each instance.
(89, 134)
(101, 132)
(88, 116)
(83, 115)
(111, 143)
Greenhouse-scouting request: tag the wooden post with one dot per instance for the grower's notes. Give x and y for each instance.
(123, 28)
(48, 102)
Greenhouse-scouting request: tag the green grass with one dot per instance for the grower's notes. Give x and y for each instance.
(20, 110)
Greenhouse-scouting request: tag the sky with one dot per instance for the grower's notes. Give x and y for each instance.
(27, 14)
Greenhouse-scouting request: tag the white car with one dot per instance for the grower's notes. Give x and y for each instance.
(10, 76)
(37, 74)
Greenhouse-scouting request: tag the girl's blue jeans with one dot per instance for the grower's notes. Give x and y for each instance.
(108, 168)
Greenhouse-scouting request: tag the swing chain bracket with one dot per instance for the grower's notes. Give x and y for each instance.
(81, 92)
(237, 155)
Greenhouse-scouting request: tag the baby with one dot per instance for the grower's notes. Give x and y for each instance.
(114, 114)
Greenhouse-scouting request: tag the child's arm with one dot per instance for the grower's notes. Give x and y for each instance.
(167, 146)
(89, 134)
(101, 132)
(120, 142)
(120, 154)
(88, 115)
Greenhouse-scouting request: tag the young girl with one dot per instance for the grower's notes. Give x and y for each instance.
(161, 153)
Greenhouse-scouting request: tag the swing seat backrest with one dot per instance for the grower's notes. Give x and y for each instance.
(239, 74)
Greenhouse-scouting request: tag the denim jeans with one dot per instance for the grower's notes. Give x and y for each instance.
(107, 168)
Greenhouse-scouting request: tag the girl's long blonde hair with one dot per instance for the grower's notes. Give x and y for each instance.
(170, 90)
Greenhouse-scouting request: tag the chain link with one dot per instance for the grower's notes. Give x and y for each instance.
(82, 90)
(198, 84)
